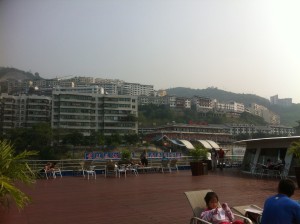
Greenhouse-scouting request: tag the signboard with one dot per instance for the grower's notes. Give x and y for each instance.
(117, 155)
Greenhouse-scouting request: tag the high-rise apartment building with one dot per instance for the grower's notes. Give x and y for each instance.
(24, 110)
(89, 112)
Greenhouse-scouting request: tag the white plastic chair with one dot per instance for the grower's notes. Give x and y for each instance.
(89, 169)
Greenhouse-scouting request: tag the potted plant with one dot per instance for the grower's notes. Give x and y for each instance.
(125, 157)
(198, 155)
(295, 150)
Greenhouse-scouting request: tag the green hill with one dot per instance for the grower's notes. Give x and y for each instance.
(288, 115)
(13, 73)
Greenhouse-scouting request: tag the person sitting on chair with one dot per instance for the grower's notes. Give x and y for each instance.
(217, 215)
(49, 167)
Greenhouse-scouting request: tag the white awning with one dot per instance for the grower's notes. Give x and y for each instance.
(187, 144)
(213, 144)
(205, 144)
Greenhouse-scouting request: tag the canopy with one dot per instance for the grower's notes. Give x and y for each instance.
(187, 144)
(205, 144)
(213, 144)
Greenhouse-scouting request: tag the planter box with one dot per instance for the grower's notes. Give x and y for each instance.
(198, 168)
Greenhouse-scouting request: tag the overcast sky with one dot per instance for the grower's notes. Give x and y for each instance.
(236, 45)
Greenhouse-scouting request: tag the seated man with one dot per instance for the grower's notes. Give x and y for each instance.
(280, 208)
(49, 168)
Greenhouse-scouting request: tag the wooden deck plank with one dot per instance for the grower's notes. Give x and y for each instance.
(147, 198)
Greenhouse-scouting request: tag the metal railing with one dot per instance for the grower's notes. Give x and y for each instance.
(76, 164)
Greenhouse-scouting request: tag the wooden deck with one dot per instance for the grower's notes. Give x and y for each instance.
(146, 198)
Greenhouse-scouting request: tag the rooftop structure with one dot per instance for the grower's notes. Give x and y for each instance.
(258, 151)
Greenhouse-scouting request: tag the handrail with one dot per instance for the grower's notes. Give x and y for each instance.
(74, 164)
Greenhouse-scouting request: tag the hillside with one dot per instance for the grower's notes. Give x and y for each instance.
(220, 95)
(13, 73)
(150, 115)
(288, 115)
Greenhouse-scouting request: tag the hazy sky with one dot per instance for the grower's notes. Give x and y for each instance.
(243, 46)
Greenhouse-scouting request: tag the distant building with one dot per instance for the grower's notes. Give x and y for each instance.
(161, 92)
(182, 103)
(136, 89)
(84, 89)
(87, 112)
(250, 129)
(23, 111)
(269, 116)
(203, 104)
(283, 102)
(218, 133)
(230, 107)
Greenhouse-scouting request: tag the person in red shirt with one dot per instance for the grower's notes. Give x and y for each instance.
(221, 158)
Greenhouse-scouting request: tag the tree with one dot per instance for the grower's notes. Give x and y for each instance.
(131, 139)
(14, 168)
(75, 138)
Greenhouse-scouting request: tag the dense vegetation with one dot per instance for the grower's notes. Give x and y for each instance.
(60, 143)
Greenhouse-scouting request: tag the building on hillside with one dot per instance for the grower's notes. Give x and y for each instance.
(136, 89)
(183, 103)
(230, 107)
(154, 100)
(111, 86)
(283, 102)
(90, 112)
(269, 116)
(23, 111)
(202, 104)
(82, 89)
(82, 80)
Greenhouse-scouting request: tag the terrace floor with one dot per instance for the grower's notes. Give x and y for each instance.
(146, 198)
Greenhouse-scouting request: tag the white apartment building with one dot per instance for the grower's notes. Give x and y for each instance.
(81, 89)
(88, 112)
(231, 107)
(24, 110)
(136, 89)
(265, 113)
